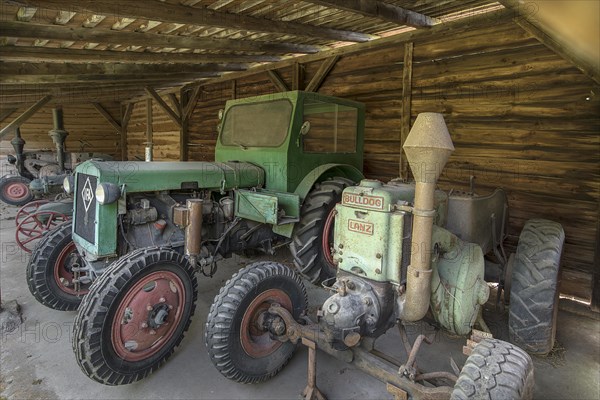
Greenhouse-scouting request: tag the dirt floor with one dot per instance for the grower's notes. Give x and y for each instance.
(37, 360)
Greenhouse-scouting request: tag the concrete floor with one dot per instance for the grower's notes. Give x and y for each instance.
(36, 360)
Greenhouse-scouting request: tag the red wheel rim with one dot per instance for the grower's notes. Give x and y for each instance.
(15, 191)
(148, 315)
(63, 275)
(28, 209)
(326, 238)
(34, 227)
(256, 341)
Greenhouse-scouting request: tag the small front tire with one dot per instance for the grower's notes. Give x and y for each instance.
(135, 315)
(49, 270)
(239, 348)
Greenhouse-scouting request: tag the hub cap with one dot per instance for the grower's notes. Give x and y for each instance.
(16, 191)
(63, 271)
(148, 316)
(256, 340)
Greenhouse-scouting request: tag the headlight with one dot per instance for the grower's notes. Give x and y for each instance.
(107, 193)
(68, 184)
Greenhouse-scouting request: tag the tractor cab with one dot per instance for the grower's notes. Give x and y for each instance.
(291, 134)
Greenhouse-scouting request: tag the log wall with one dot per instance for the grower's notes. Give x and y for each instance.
(82, 121)
(517, 113)
(165, 134)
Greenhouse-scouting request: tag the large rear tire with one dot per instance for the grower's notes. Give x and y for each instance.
(495, 370)
(307, 248)
(14, 190)
(135, 315)
(49, 271)
(238, 345)
(535, 286)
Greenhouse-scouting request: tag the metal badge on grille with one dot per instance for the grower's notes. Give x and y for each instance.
(87, 195)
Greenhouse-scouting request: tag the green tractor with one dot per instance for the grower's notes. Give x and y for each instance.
(142, 230)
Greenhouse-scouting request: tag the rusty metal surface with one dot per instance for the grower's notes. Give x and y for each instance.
(193, 230)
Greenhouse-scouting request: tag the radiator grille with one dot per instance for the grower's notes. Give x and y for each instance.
(85, 212)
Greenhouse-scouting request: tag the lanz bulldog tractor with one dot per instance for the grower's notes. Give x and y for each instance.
(41, 173)
(403, 252)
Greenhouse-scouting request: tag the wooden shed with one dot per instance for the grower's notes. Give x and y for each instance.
(519, 89)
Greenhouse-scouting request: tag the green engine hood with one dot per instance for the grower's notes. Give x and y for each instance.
(140, 176)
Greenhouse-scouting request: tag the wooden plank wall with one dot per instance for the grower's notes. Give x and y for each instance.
(517, 113)
(165, 135)
(82, 121)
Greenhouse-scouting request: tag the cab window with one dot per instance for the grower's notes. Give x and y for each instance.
(332, 128)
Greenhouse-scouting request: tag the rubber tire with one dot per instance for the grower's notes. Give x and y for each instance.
(222, 337)
(4, 181)
(535, 286)
(495, 370)
(92, 342)
(40, 270)
(306, 246)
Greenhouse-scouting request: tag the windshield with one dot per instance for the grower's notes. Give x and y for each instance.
(257, 124)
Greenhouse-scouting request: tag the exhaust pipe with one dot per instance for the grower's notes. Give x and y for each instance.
(58, 135)
(427, 147)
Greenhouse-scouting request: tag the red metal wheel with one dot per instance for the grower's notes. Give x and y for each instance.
(35, 226)
(28, 209)
(15, 191)
(63, 273)
(327, 240)
(148, 315)
(256, 341)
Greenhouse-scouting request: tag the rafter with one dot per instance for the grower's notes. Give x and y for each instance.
(22, 68)
(30, 54)
(29, 30)
(176, 13)
(130, 78)
(380, 10)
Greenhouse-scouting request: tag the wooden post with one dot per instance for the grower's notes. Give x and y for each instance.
(406, 105)
(596, 272)
(298, 77)
(148, 156)
(184, 98)
(126, 116)
(233, 89)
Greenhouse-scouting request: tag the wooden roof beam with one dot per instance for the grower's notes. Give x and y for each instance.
(50, 55)
(26, 68)
(106, 78)
(15, 29)
(383, 11)
(522, 18)
(181, 14)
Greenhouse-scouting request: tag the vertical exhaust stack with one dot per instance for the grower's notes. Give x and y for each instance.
(58, 135)
(427, 147)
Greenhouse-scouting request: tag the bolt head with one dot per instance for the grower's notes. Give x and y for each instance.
(144, 325)
(162, 300)
(152, 332)
(149, 307)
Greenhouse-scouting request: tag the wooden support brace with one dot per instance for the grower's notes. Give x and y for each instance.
(175, 103)
(406, 105)
(148, 156)
(107, 116)
(233, 89)
(191, 102)
(6, 113)
(278, 81)
(25, 116)
(317, 80)
(184, 130)
(162, 104)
